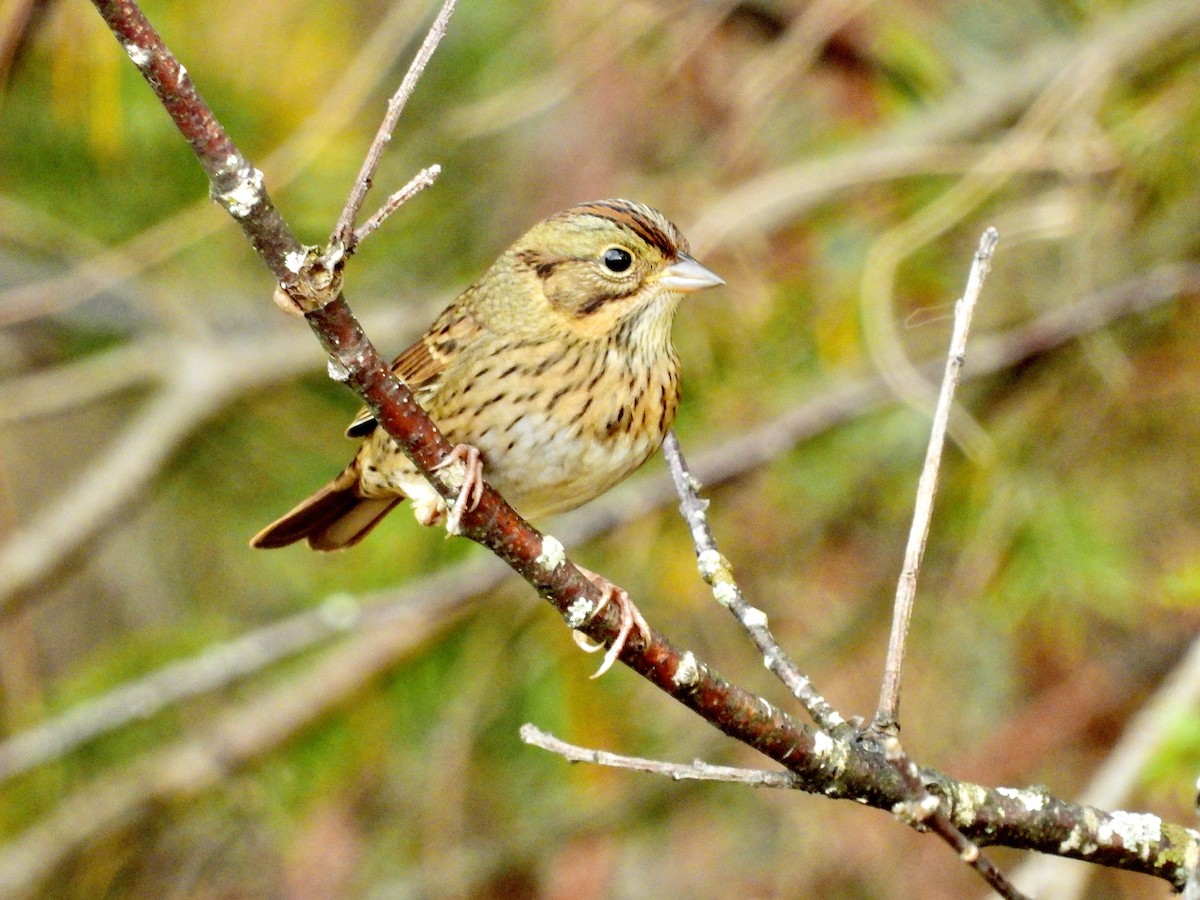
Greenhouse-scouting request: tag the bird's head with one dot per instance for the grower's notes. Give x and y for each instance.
(606, 267)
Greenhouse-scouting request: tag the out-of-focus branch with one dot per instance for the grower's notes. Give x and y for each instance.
(1081, 76)
(1112, 783)
(214, 668)
(768, 202)
(65, 523)
(243, 733)
(84, 381)
(199, 380)
(202, 379)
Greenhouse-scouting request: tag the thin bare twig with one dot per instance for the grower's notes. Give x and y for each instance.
(344, 234)
(336, 105)
(717, 572)
(922, 809)
(886, 716)
(416, 184)
(695, 771)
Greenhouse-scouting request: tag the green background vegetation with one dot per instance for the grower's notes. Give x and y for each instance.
(1063, 573)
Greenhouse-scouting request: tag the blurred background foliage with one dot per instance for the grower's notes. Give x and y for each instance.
(836, 162)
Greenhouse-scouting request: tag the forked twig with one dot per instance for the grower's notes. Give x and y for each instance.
(416, 184)
(886, 716)
(921, 810)
(344, 234)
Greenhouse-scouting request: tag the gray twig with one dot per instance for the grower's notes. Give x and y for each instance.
(717, 572)
(697, 770)
(416, 184)
(886, 716)
(344, 234)
(922, 810)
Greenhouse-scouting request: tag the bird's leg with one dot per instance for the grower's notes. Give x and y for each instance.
(630, 616)
(471, 490)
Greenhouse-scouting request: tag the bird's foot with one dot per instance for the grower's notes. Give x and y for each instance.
(630, 616)
(471, 489)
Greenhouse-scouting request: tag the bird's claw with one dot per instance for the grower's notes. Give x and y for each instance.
(630, 616)
(471, 490)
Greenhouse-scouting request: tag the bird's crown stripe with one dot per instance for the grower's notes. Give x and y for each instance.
(636, 220)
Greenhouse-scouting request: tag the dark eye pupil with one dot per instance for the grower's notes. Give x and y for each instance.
(617, 260)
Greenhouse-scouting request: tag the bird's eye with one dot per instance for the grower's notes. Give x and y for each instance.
(617, 259)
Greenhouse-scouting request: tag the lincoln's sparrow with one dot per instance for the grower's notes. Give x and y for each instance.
(555, 371)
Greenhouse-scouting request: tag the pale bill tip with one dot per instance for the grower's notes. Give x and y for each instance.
(685, 274)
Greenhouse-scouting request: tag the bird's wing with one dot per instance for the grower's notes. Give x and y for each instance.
(422, 365)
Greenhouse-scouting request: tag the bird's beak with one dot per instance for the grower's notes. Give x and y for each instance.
(686, 275)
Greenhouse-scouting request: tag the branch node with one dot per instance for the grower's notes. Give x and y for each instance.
(915, 813)
(317, 281)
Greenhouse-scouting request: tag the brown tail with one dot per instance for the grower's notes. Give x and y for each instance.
(332, 518)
